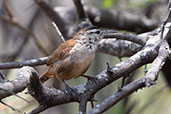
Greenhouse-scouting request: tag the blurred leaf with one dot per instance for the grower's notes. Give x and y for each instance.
(108, 3)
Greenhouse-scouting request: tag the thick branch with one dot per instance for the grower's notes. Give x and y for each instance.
(86, 91)
(126, 36)
(17, 85)
(157, 64)
(115, 47)
(53, 16)
(113, 19)
(113, 99)
(149, 79)
(83, 20)
(80, 9)
(82, 106)
(47, 97)
(121, 20)
(120, 48)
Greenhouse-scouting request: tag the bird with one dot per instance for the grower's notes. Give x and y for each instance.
(73, 57)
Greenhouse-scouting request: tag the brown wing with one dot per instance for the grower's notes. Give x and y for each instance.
(61, 52)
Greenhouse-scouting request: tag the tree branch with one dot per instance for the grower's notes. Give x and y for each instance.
(26, 31)
(53, 16)
(117, 47)
(125, 36)
(152, 74)
(86, 91)
(149, 79)
(121, 20)
(113, 99)
(120, 48)
(11, 16)
(32, 62)
(17, 85)
(80, 9)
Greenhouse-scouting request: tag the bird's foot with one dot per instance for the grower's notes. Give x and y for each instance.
(109, 69)
(89, 78)
(69, 90)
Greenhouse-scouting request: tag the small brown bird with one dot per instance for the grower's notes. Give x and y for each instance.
(73, 57)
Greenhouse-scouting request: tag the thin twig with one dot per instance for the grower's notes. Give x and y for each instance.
(168, 18)
(32, 62)
(2, 77)
(26, 31)
(21, 27)
(12, 17)
(58, 31)
(113, 99)
(12, 93)
(11, 56)
(14, 109)
(53, 16)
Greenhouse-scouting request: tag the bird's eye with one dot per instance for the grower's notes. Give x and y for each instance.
(94, 32)
(98, 32)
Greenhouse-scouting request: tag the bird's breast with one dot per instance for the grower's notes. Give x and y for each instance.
(74, 65)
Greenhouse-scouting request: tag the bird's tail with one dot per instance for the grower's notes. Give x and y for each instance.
(47, 75)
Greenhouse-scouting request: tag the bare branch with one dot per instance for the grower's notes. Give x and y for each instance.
(53, 16)
(86, 91)
(16, 51)
(117, 47)
(121, 20)
(152, 74)
(17, 85)
(126, 36)
(82, 106)
(47, 97)
(32, 62)
(11, 107)
(26, 31)
(146, 48)
(83, 20)
(168, 18)
(59, 32)
(80, 9)
(149, 79)
(120, 48)
(12, 17)
(113, 99)
(12, 93)
(2, 77)
(113, 19)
